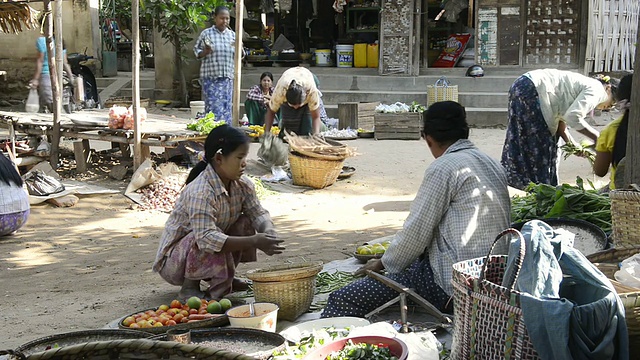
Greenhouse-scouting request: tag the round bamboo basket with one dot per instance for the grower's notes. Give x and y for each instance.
(625, 217)
(314, 172)
(292, 287)
(608, 262)
(135, 349)
(79, 337)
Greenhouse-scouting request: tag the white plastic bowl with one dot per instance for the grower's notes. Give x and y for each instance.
(196, 107)
(265, 318)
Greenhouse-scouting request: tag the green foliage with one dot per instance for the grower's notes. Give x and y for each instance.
(206, 124)
(178, 21)
(563, 201)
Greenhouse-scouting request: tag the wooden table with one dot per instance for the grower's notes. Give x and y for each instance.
(157, 130)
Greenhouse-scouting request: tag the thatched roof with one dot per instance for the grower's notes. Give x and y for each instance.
(17, 16)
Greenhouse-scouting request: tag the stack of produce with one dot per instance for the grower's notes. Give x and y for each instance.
(340, 134)
(256, 131)
(563, 201)
(194, 309)
(122, 118)
(162, 194)
(206, 124)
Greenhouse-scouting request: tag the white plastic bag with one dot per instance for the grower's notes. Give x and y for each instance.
(145, 175)
(33, 102)
(629, 273)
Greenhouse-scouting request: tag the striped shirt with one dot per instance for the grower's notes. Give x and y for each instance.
(207, 209)
(461, 206)
(13, 198)
(221, 62)
(256, 94)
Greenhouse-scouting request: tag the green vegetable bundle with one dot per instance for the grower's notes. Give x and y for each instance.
(362, 351)
(563, 201)
(206, 124)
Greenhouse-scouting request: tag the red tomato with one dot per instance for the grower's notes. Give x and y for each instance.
(178, 317)
(202, 311)
(176, 304)
(184, 320)
(184, 313)
(128, 321)
(171, 323)
(134, 326)
(160, 312)
(193, 311)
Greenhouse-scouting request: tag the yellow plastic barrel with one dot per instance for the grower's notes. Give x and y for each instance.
(372, 55)
(360, 55)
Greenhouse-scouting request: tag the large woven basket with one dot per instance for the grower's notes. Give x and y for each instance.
(133, 349)
(608, 262)
(78, 337)
(489, 322)
(625, 217)
(291, 286)
(314, 172)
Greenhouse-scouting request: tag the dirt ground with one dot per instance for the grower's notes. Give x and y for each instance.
(80, 268)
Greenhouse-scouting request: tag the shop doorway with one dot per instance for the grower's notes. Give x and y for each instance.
(440, 20)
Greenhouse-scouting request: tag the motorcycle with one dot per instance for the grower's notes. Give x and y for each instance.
(89, 97)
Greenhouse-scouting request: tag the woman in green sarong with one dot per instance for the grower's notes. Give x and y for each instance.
(257, 99)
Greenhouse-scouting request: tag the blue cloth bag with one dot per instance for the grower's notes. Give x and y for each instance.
(570, 309)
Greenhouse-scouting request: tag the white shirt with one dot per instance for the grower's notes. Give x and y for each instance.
(566, 96)
(13, 198)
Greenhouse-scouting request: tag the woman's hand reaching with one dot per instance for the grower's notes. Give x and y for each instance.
(374, 265)
(269, 243)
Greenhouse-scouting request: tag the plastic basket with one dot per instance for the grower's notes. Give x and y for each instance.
(442, 90)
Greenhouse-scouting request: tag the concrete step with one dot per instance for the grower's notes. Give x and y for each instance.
(332, 110)
(487, 117)
(147, 93)
(467, 99)
(476, 117)
(498, 83)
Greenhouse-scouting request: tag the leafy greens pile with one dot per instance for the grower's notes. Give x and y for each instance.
(563, 201)
(206, 124)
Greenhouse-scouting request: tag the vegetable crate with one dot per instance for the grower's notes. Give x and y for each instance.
(356, 115)
(403, 126)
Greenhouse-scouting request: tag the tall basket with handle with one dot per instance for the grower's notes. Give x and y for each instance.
(442, 90)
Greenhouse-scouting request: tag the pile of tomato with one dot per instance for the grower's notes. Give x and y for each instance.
(168, 315)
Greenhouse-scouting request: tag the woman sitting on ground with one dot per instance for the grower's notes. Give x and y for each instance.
(258, 98)
(213, 225)
(611, 146)
(461, 205)
(14, 200)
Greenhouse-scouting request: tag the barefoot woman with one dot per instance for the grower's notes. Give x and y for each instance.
(213, 225)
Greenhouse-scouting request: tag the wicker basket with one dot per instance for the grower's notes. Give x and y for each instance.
(607, 261)
(314, 172)
(290, 286)
(625, 217)
(79, 337)
(134, 349)
(441, 91)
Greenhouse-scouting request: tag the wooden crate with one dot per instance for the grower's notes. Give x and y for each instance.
(404, 126)
(356, 115)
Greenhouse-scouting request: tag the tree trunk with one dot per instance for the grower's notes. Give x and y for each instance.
(184, 92)
(55, 89)
(632, 167)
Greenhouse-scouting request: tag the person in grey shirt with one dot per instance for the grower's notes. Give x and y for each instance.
(461, 205)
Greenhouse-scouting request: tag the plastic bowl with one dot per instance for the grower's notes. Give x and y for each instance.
(397, 347)
(265, 318)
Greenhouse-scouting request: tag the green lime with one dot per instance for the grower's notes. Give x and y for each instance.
(214, 308)
(364, 250)
(226, 304)
(194, 302)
